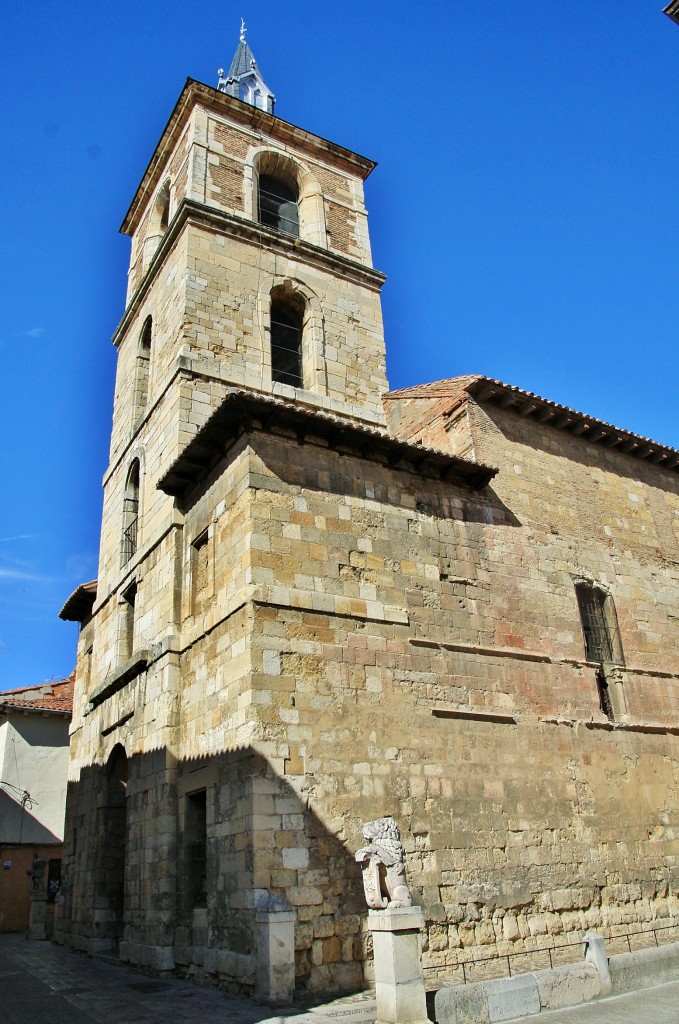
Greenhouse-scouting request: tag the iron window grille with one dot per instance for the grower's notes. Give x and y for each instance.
(286, 349)
(131, 520)
(601, 641)
(277, 205)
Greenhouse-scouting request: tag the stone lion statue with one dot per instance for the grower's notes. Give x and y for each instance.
(384, 870)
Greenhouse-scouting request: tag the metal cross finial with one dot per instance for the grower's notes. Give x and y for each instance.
(243, 30)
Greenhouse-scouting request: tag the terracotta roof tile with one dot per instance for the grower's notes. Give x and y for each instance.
(453, 387)
(485, 389)
(51, 697)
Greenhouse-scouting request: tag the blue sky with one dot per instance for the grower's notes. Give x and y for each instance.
(525, 209)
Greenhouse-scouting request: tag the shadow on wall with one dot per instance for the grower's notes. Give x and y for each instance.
(543, 438)
(167, 860)
(334, 474)
(19, 825)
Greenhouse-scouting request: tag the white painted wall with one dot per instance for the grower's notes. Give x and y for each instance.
(34, 758)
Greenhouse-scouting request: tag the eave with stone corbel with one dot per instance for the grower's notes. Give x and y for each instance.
(242, 411)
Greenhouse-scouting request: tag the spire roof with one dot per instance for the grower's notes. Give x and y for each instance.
(243, 59)
(244, 79)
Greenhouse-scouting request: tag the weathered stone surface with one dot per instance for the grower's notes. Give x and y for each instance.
(335, 631)
(567, 986)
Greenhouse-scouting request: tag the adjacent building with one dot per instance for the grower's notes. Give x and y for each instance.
(33, 772)
(320, 602)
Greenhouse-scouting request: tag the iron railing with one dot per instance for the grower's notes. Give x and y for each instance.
(500, 965)
(625, 938)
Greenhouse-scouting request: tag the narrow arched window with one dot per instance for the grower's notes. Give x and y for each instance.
(130, 514)
(143, 367)
(287, 326)
(163, 207)
(277, 204)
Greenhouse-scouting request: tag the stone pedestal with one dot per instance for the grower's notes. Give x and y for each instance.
(37, 915)
(275, 976)
(595, 953)
(399, 980)
(37, 919)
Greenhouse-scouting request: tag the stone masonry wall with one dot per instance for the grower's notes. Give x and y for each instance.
(429, 666)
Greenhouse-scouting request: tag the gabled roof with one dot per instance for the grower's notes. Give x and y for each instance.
(525, 403)
(454, 388)
(48, 698)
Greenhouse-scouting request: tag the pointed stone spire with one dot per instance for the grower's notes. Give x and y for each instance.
(244, 80)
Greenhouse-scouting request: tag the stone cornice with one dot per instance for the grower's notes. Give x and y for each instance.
(257, 234)
(522, 654)
(129, 670)
(239, 113)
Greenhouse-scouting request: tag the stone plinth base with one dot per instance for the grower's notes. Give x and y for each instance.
(399, 980)
(275, 974)
(141, 954)
(37, 921)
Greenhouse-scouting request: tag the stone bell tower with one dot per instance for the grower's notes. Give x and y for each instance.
(250, 269)
(252, 305)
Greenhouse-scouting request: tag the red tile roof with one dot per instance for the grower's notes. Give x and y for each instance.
(485, 389)
(49, 697)
(454, 387)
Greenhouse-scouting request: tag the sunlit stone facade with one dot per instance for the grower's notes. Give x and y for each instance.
(319, 603)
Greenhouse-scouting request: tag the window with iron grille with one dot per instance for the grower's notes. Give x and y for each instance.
(277, 205)
(592, 604)
(128, 544)
(599, 624)
(602, 643)
(287, 325)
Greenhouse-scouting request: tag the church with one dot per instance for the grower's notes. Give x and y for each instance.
(320, 601)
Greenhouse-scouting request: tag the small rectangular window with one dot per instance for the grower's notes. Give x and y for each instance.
(127, 622)
(287, 329)
(201, 575)
(196, 849)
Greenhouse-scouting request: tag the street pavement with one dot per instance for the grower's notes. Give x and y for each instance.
(45, 984)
